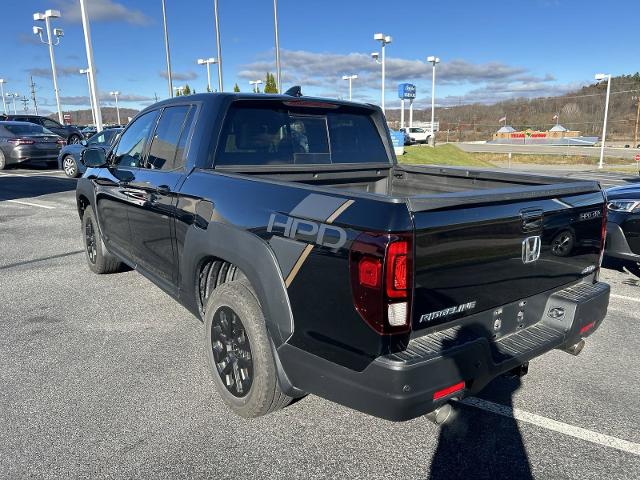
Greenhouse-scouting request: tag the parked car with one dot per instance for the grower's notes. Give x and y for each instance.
(70, 155)
(22, 142)
(320, 265)
(70, 133)
(88, 132)
(623, 228)
(417, 134)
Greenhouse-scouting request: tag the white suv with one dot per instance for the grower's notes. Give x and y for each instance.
(417, 134)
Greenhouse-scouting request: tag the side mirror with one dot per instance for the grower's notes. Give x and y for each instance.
(94, 158)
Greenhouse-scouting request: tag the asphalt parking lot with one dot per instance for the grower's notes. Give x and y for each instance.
(106, 376)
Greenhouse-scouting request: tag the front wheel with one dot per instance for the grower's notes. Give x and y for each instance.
(70, 166)
(73, 139)
(239, 352)
(98, 258)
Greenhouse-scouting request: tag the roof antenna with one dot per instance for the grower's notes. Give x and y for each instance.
(294, 91)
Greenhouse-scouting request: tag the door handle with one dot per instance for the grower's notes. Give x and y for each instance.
(163, 189)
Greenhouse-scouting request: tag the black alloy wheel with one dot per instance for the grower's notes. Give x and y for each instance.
(231, 352)
(90, 241)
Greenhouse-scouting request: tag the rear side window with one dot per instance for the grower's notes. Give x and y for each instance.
(273, 134)
(26, 129)
(50, 123)
(163, 153)
(130, 148)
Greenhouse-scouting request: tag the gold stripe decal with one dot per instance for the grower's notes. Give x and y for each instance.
(340, 209)
(307, 250)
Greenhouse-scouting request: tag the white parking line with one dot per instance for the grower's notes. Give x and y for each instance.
(32, 204)
(622, 297)
(554, 425)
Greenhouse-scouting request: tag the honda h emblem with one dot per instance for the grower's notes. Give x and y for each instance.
(531, 249)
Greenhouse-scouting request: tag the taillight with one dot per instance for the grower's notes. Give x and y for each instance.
(603, 239)
(61, 142)
(20, 141)
(381, 283)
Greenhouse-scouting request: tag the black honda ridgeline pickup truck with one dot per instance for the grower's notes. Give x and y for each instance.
(320, 265)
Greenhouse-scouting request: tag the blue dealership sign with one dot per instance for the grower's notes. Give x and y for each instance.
(406, 91)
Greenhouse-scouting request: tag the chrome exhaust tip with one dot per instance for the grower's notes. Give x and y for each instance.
(441, 415)
(575, 349)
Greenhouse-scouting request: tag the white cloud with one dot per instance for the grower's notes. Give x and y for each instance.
(179, 76)
(102, 10)
(323, 72)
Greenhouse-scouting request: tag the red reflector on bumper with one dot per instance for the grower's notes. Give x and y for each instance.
(448, 391)
(587, 327)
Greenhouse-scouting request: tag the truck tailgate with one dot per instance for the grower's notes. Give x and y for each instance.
(480, 255)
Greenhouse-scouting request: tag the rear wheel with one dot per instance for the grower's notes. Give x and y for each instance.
(98, 258)
(73, 139)
(70, 166)
(239, 352)
(3, 161)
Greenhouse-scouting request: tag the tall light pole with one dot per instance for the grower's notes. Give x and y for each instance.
(599, 77)
(166, 48)
(254, 84)
(433, 60)
(91, 69)
(384, 40)
(4, 101)
(207, 62)
(115, 94)
(57, 32)
(218, 46)
(350, 78)
(85, 71)
(275, 23)
(14, 95)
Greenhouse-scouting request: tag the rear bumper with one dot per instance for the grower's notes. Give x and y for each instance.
(402, 385)
(617, 245)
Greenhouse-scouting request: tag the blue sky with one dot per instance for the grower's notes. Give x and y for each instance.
(490, 50)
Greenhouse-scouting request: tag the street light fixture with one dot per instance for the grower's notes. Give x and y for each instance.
(599, 77)
(350, 78)
(167, 51)
(14, 95)
(86, 71)
(207, 62)
(433, 61)
(58, 33)
(255, 84)
(115, 94)
(384, 40)
(277, 44)
(4, 101)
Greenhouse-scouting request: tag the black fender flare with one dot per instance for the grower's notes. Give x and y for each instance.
(250, 254)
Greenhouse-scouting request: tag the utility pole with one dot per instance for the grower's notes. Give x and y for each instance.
(91, 74)
(635, 135)
(166, 49)
(218, 46)
(25, 102)
(33, 95)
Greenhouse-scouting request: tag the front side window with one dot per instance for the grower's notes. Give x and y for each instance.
(50, 123)
(130, 148)
(162, 153)
(274, 134)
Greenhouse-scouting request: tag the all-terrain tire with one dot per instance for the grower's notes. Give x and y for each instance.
(98, 258)
(263, 394)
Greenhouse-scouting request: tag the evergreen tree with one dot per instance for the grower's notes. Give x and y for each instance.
(270, 85)
(187, 90)
(236, 88)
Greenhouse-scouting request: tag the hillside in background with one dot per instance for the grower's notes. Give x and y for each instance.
(581, 110)
(109, 115)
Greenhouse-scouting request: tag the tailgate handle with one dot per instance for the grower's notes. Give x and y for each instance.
(531, 219)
